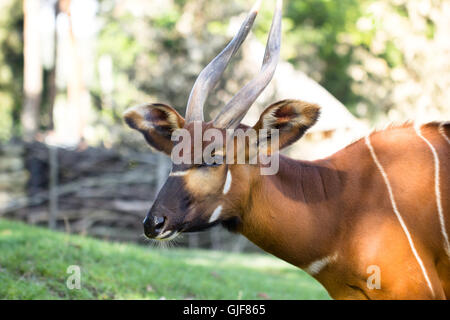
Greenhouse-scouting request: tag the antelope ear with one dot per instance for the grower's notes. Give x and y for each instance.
(291, 117)
(156, 122)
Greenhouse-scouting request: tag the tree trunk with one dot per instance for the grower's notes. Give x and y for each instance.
(76, 91)
(32, 69)
(52, 74)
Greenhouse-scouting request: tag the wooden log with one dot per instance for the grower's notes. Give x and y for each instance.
(8, 197)
(103, 216)
(12, 149)
(136, 176)
(13, 181)
(131, 206)
(11, 163)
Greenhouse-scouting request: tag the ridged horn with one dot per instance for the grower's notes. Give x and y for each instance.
(210, 75)
(234, 111)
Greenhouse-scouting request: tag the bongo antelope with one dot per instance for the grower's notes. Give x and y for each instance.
(382, 202)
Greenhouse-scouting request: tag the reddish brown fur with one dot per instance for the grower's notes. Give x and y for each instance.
(341, 205)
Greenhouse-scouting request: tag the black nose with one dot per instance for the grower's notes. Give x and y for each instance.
(153, 225)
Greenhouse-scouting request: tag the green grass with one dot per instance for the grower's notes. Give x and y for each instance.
(34, 262)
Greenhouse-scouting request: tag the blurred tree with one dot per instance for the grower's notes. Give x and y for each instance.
(32, 69)
(385, 59)
(401, 61)
(51, 88)
(11, 67)
(315, 34)
(75, 83)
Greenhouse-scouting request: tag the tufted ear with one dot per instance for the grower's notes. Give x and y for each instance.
(156, 122)
(291, 117)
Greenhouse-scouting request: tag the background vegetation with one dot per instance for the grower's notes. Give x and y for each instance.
(384, 59)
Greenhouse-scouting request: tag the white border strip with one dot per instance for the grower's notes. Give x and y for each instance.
(397, 213)
(227, 184)
(316, 266)
(215, 215)
(437, 190)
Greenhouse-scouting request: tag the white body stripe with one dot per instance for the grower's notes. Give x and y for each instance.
(397, 213)
(227, 185)
(216, 213)
(317, 266)
(442, 132)
(437, 190)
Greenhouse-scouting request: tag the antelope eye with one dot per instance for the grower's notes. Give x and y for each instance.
(215, 164)
(217, 161)
(204, 164)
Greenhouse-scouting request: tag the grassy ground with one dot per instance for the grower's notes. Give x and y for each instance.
(34, 262)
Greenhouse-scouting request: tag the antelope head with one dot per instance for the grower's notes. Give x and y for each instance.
(200, 192)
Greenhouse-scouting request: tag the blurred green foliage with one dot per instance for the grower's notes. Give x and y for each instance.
(321, 36)
(11, 67)
(320, 24)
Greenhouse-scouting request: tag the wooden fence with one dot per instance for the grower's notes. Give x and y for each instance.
(94, 191)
